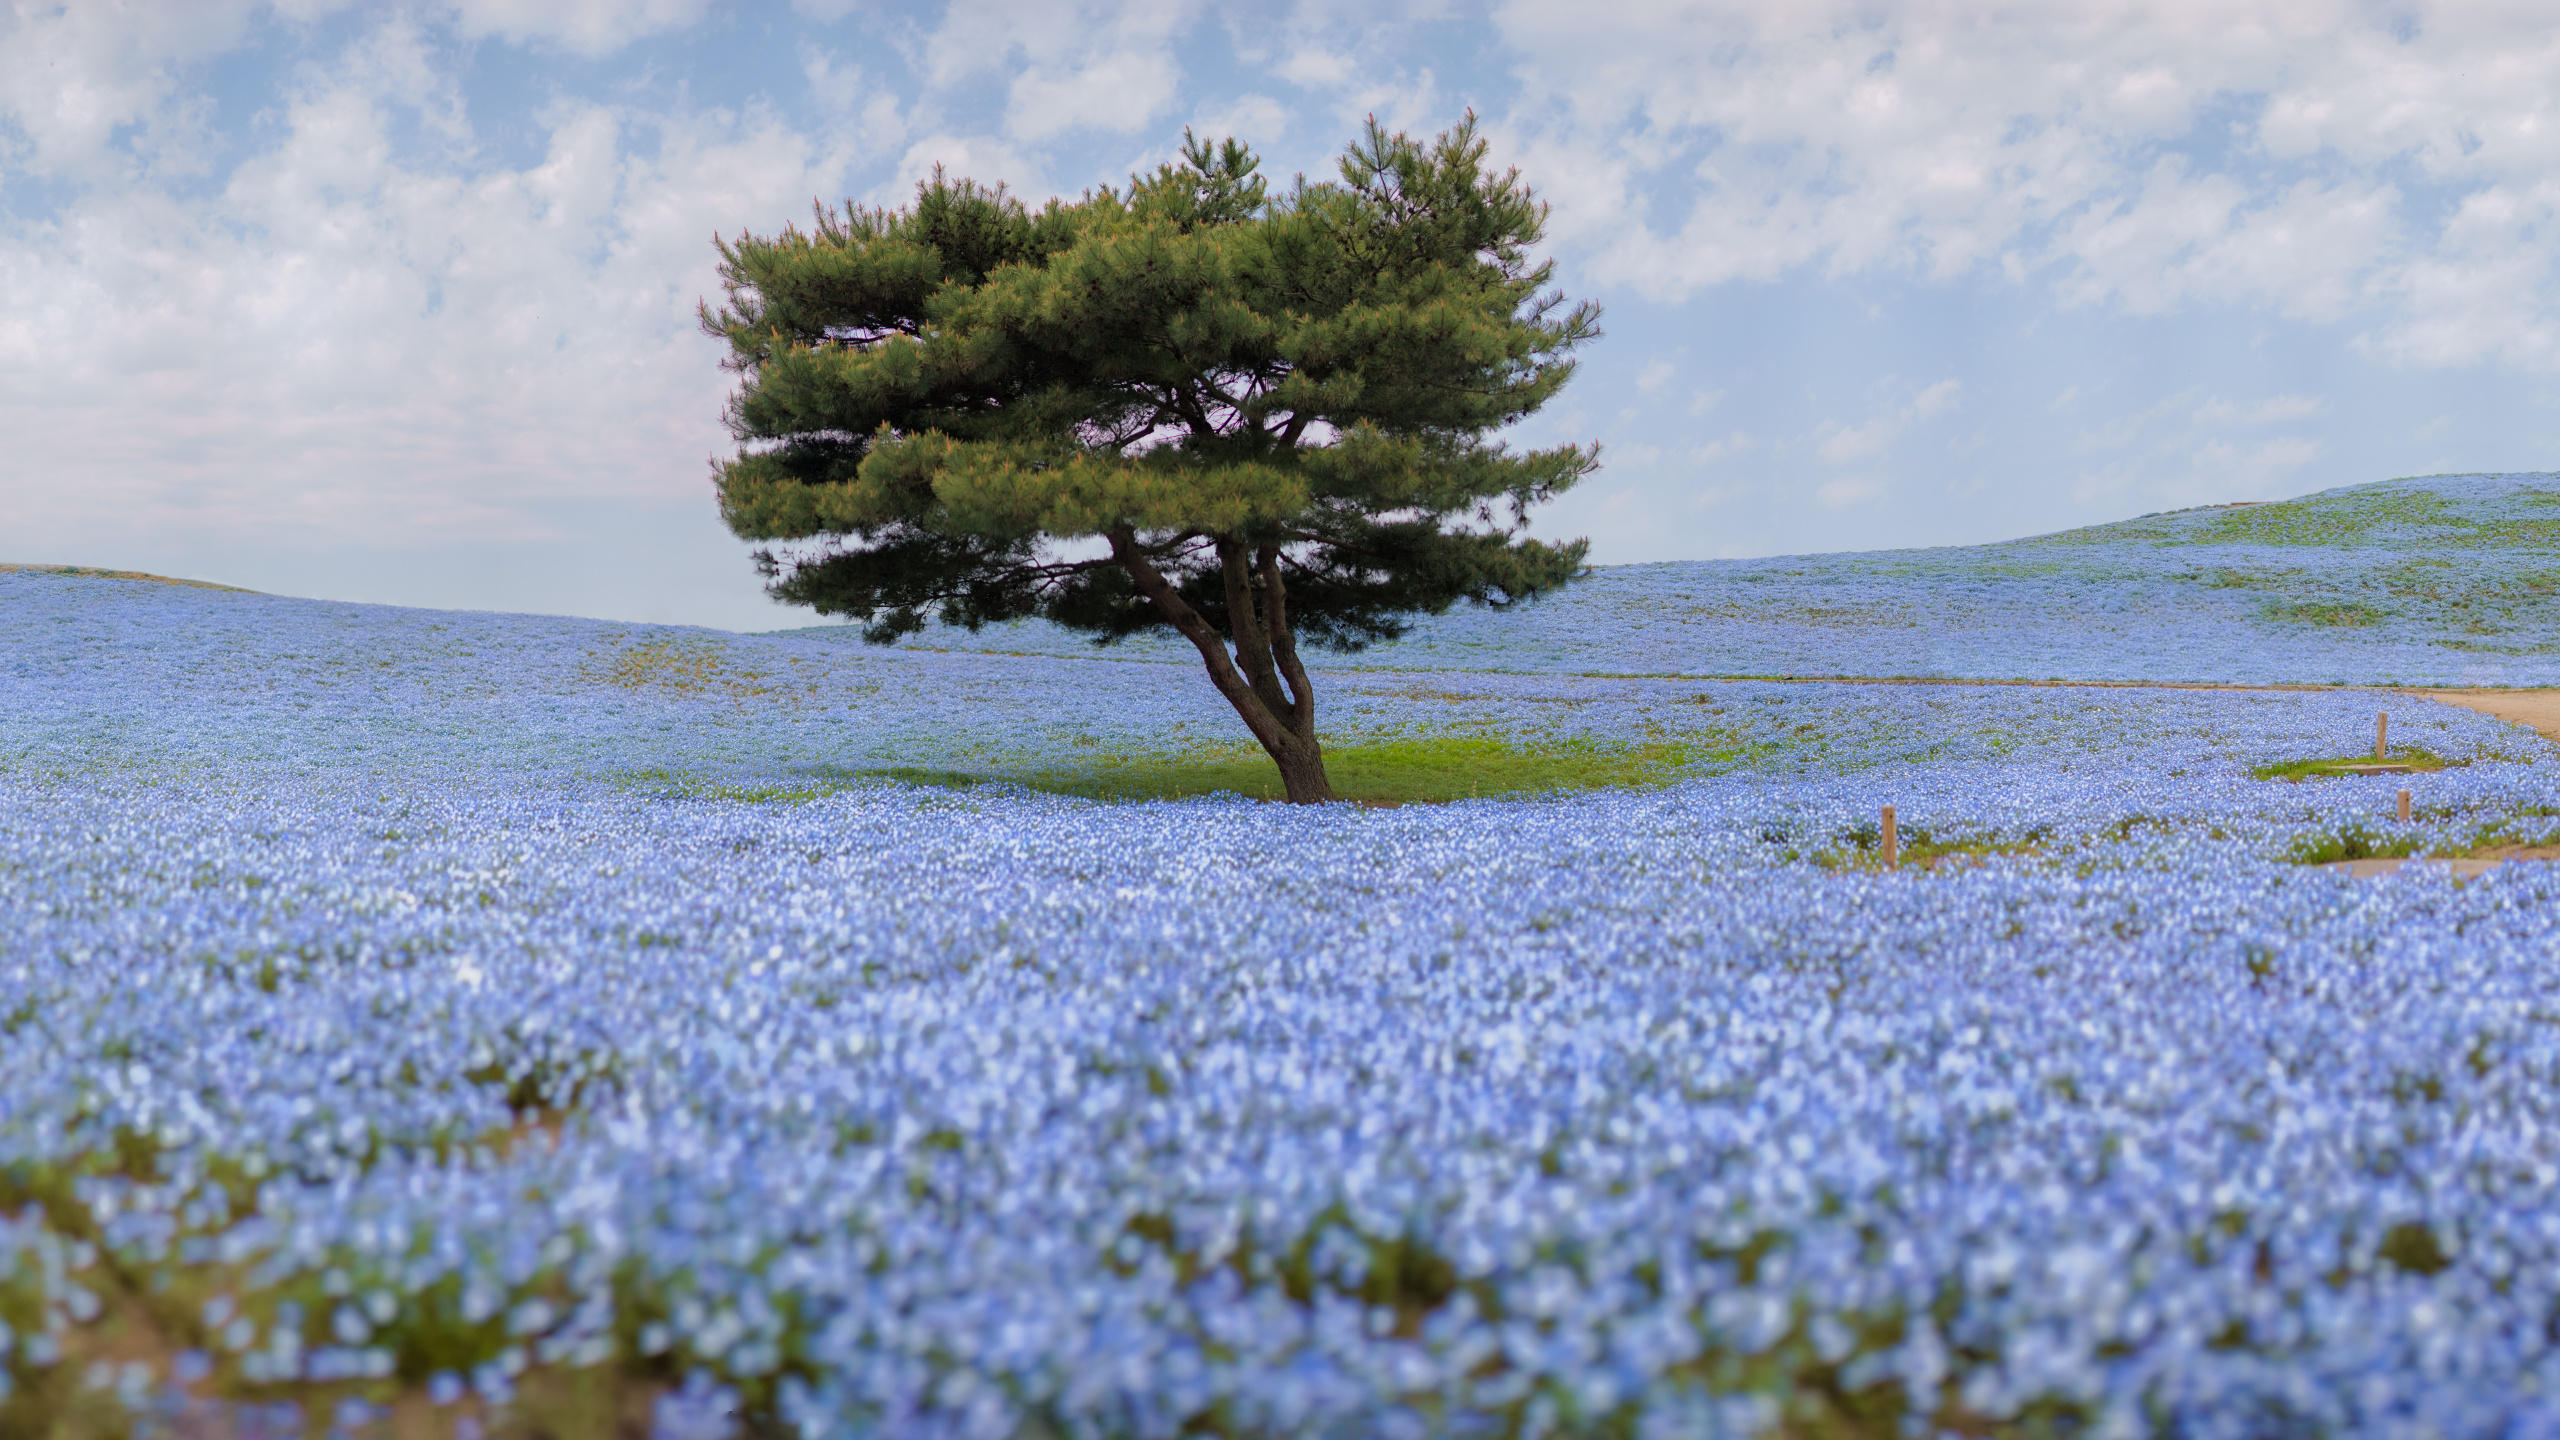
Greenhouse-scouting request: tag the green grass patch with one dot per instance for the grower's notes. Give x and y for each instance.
(2356, 842)
(2419, 760)
(2530, 832)
(1862, 848)
(2349, 613)
(2401, 515)
(2522, 827)
(2345, 519)
(1406, 771)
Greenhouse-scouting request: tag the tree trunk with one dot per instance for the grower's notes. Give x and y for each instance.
(1302, 775)
(1301, 772)
(1283, 720)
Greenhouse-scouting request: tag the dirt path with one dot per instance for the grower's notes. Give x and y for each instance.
(1921, 680)
(2538, 709)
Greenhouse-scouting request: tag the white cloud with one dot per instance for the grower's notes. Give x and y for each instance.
(2173, 452)
(1315, 67)
(865, 115)
(2149, 155)
(581, 27)
(1067, 70)
(1717, 497)
(2275, 409)
(1841, 444)
(340, 347)
(2260, 463)
(1841, 494)
(1739, 442)
(1359, 59)
(1256, 119)
(2311, 251)
(1120, 92)
(1936, 400)
(2484, 294)
(983, 158)
(2128, 429)
(1069, 65)
(73, 76)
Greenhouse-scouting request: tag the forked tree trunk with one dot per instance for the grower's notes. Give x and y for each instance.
(1262, 679)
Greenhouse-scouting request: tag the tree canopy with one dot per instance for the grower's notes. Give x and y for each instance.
(1258, 418)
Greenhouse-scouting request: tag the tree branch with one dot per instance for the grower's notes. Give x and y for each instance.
(1253, 642)
(1284, 643)
(1188, 405)
(1266, 727)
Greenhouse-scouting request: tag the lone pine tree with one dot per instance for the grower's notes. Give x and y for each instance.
(1259, 419)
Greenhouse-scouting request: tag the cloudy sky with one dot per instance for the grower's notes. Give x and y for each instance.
(395, 302)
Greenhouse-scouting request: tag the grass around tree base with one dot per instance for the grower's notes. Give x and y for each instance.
(1404, 771)
(1416, 771)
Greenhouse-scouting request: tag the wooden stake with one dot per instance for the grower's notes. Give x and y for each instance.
(2381, 734)
(1892, 842)
(2404, 807)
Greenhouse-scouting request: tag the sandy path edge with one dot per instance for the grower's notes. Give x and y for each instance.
(2538, 710)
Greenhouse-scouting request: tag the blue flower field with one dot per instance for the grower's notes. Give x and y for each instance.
(428, 1023)
(2450, 580)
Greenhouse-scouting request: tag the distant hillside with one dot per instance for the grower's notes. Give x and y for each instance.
(2444, 580)
(91, 572)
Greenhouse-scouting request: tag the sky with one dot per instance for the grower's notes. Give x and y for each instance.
(396, 302)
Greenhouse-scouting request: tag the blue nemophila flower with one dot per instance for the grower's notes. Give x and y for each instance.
(2446, 580)
(891, 1109)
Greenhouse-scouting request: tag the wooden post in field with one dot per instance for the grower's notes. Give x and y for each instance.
(2381, 734)
(1892, 842)
(2404, 807)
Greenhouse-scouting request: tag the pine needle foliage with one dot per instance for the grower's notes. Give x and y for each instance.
(1262, 419)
